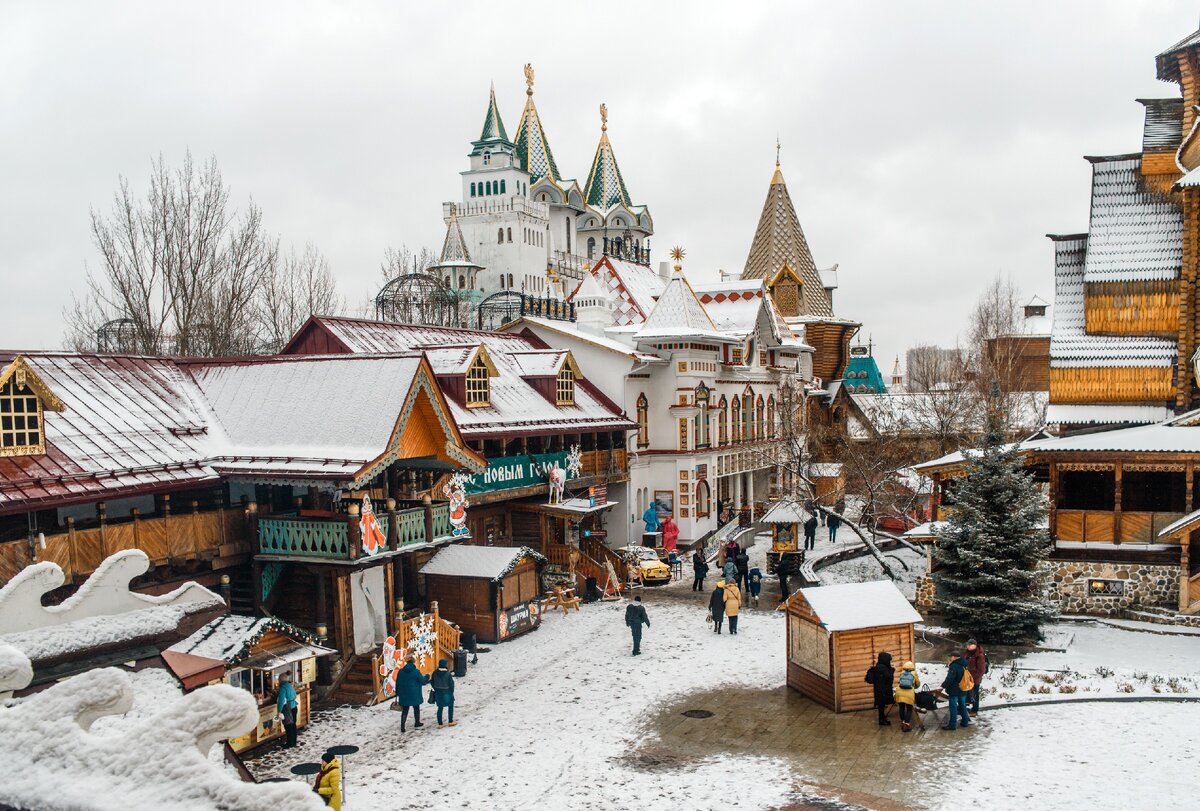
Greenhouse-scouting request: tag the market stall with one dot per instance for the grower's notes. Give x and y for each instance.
(786, 519)
(493, 592)
(835, 633)
(257, 652)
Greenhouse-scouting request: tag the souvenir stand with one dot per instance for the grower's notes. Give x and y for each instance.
(786, 519)
(491, 591)
(835, 634)
(257, 652)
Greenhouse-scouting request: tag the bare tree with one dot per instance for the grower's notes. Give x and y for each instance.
(414, 294)
(996, 331)
(942, 403)
(296, 287)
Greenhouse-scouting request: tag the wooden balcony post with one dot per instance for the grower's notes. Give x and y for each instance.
(324, 675)
(393, 532)
(1187, 493)
(353, 531)
(1117, 503)
(1184, 568)
(427, 505)
(1053, 501)
(165, 506)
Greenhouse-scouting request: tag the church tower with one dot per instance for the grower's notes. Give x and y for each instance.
(611, 224)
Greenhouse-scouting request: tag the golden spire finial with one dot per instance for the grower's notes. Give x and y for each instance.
(776, 151)
(603, 117)
(677, 254)
(528, 79)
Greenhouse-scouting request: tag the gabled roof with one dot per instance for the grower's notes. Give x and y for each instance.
(779, 240)
(543, 362)
(850, 606)
(24, 376)
(488, 562)
(605, 188)
(456, 360)
(738, 306)
(227, 638)
(1134, 233)
(569, 330)
(532, 146)
(679, 314)
(633, 288)
(493, 125)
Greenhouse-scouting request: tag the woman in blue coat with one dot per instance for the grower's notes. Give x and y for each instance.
(442, 682)
(409, 682)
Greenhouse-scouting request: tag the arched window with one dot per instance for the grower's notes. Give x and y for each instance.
(462, 282)
(510, 235)
(643, 421)
(472, 189)
(723, 421)
(564, 386)
(703, 499)
(510, 280)
(502, 185)
(500, 236)
(591, 247)
(748, 416)
(616, 243)
(567, 228)
(479, 391)
(737, 419)
(760, 421)
(701, 430)
(771, 428)
(502, 284)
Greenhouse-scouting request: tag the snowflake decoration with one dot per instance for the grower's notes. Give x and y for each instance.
(574, 462)
(460, 480)
(422, 641)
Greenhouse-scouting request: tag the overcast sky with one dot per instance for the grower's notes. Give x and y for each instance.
(927, 146)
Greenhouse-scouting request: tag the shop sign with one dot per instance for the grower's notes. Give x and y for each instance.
(519, 618)
(511, 472)
(595, 533)
(598, 493)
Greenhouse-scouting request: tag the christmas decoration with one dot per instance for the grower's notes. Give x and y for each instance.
(988, 555)
(422, 638)
(373, 539)
(574, 462)
(456, 491)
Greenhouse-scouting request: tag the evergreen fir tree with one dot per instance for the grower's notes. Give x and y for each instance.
(988, 583)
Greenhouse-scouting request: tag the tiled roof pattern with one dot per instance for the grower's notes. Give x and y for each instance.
(1071, 414)
(454, 248)
(1163, 130)
(1168, 67)
(493, 125)
(532, 147)
(633, 289)
(678, 313)
(779, 240)
(1070, 345)
(605, 187)
(1134, 234)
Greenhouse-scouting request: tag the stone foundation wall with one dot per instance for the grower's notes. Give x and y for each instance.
(925, 589)
(1144, 585)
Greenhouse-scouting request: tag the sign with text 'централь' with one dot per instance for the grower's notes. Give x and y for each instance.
(511, 472)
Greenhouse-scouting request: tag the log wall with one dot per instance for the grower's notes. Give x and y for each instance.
(1132, 308)
(1111, 385)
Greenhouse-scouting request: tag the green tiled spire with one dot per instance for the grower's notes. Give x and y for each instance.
(493, 126)
(532, 147)
(605, 186)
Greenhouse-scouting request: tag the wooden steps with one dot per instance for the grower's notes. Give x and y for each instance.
(357, 683)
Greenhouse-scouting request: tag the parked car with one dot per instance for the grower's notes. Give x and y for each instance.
(653, 570)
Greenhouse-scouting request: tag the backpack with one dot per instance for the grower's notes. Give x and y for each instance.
(966, 683)
(906, 680)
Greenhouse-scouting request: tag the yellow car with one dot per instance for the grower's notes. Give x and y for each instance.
(653, 571)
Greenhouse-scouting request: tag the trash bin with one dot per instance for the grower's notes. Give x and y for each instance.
(460, 662)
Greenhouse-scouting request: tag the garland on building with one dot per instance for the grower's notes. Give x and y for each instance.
(525, 552)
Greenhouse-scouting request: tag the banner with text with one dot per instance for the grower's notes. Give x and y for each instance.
(511, 472)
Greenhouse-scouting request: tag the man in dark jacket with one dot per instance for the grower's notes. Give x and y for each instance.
(958, 698)
(833, 522)
(810, 533)
(784, 570)
(409, 681)
(442, 682)
(716, 606)
(882, 677)
(977, 664)
(743, 570)
(699, 570)
(635, 618)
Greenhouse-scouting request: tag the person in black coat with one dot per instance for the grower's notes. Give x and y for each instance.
(716, 606)
(810, 533)
(833, 523)
(784, 570)
(882, 677)
(742, 561)
(699, 570)
(635, 618)
(442, 682)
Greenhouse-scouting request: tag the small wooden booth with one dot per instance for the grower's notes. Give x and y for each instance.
(256, 653)
(786, 519)
(491, 591)
(835, 634)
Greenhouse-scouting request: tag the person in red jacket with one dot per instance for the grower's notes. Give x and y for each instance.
(976, 663)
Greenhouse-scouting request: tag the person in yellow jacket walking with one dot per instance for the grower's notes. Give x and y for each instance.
(733, 604)
(906, 694)
(329, 781)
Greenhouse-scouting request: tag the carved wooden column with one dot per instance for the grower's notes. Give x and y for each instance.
(1117, 469)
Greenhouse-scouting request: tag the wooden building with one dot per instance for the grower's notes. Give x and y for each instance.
(492, 592)
(836, 633)
(256, 654)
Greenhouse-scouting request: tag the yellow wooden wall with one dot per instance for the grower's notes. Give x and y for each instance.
(1132, 308)
(1109, 385)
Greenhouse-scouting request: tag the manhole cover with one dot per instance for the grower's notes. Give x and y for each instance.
(697, 714)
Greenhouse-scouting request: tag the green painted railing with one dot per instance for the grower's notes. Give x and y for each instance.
(410, 527)
(307, 538)
(441, 520)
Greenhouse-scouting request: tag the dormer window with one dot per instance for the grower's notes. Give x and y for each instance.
(487, 158)
(23, 398)
(479, 391)
(564, 386)
(1033, 310)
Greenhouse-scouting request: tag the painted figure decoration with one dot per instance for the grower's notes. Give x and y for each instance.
(390, 663)
(456, 491)
(373, 538)
(558, 480)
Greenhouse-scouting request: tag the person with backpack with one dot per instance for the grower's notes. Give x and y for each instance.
(957, 684)
(755, 578)
(699, 570)
(716, 606)
(977, 663)
(743, 570)
(906, 694)
(881, 676)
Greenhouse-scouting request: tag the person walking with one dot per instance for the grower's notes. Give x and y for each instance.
(409, 682)
(730, 572)
(716, 606)
(328, 783)
(956, 688)
(906, 693)
(442, 682)
(699, 570)
(755, 583)
(784, 569)
(733, 604)
(635, 618)
(743, 570)
(977, 664)
(287, 706)
(810, 533)
(881, 677)
(833, 522)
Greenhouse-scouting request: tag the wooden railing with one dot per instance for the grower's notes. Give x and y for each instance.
(1102, 526)
(448, 639)
(441, 520)
(336, 537)
(585, 565)
(603, 463)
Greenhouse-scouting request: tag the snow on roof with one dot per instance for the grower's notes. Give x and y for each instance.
(849, 606)
(1070, 345)
(679, 314)
(538, 362)
(1135, 234)
(929, 529)
(491, 562)
(75, 638)
(785, 512)
(1057, 414)
(224, 637)
(1175, 527)
(451, 360)
(515, 405)
(572, 331)
(1163, 437)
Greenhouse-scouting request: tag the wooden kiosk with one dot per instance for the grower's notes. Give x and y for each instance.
(491, 591)
(786, 519)
(835, 634)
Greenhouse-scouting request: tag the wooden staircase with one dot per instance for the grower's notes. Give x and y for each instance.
(357, 682)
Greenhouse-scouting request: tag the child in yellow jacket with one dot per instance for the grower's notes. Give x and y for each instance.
(906, 694)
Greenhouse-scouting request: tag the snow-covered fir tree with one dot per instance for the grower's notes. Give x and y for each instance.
(988, 581)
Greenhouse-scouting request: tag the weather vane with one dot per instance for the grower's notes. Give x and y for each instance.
(528, 79)
(604, 117)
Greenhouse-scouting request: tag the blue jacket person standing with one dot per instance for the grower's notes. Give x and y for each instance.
(408, 691)
(287, 706)
(958, 696)
(635, 617)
